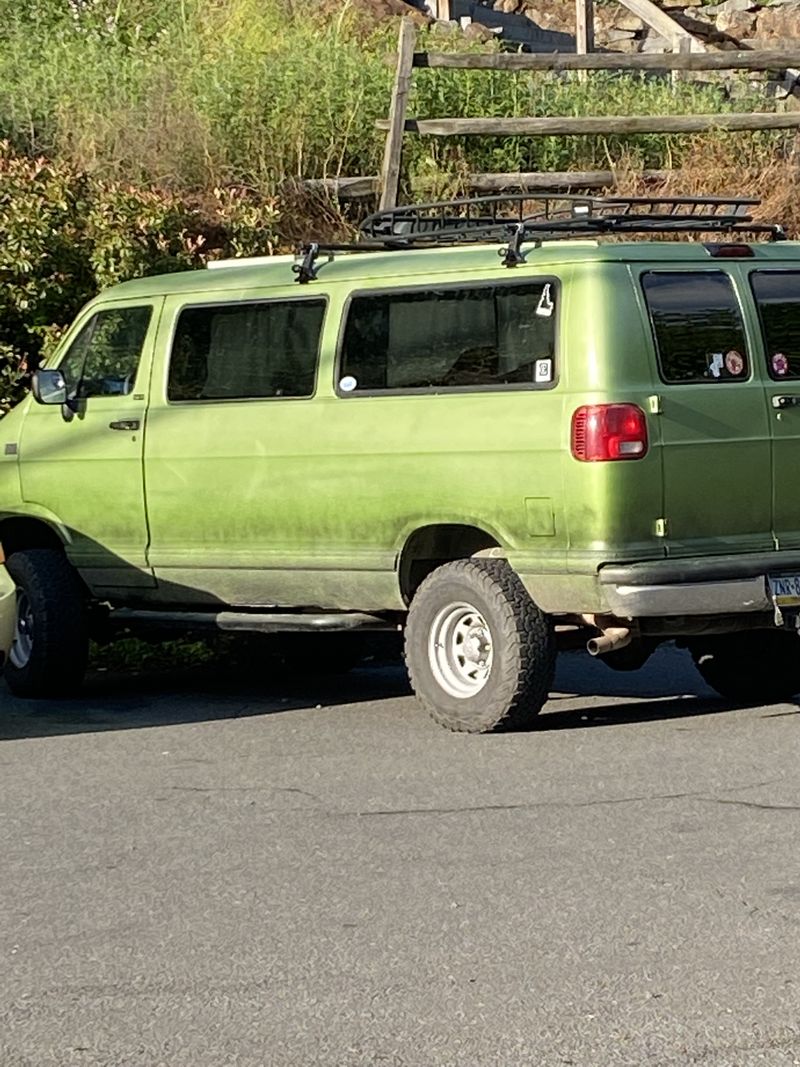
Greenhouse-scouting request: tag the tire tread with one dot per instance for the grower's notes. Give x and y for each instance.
(527, 675)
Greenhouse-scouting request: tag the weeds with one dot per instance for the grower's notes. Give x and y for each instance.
(193, 95)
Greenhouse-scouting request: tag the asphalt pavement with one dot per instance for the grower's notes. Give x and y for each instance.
(199, 869)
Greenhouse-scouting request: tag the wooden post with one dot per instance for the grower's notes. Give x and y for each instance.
(680, 46)
(390, 172)
(584, 29)
(442, 10)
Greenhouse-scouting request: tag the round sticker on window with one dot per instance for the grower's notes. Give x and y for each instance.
(348, 383)
(780, 364)
(734, 362)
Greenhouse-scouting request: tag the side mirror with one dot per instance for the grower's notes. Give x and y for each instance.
(49, 387)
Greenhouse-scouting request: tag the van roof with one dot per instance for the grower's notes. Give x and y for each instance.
(371, 267)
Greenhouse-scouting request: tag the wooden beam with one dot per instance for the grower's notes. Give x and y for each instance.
(556, 61)
(344, 187)
(556, 179)
(605, 125)
(352, 188)
(652, 15)
(390, 173)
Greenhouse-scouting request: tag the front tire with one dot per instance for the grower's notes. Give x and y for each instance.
(51, 644)
(757, 666)
(479, 652)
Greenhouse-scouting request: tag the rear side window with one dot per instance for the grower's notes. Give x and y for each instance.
(777, 296)
(486, 337)
(697, 326)
(246, 350)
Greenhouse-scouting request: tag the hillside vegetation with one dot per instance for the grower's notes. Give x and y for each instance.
(194, 94)
(141, 136)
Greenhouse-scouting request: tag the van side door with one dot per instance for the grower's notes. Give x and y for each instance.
(86, 470)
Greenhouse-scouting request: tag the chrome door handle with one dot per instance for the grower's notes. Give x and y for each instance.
(786, 401)
(125, 424)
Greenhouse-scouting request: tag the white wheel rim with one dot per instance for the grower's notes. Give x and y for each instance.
(22, 645)
(460, 650)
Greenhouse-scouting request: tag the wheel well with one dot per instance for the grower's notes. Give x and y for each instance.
(19, 533)
(430, 546)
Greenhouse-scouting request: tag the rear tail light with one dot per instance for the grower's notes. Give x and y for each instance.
(609, 431)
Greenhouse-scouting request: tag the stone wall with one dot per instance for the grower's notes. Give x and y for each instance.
(723, 25)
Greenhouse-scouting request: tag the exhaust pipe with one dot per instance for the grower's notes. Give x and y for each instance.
(612, 638)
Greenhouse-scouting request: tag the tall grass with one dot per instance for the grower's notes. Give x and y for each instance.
(200, 93)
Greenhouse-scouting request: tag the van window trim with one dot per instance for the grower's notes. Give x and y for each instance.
(293, 298)
(710, 269)
(774, 378)
(454, 390)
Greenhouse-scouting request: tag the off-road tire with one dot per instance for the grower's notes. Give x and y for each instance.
(523, 647)
(60, 641)
(757, 666)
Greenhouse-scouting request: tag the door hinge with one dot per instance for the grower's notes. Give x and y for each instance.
(661, 527)
(654, 405)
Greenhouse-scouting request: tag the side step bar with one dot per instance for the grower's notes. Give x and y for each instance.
(253, 621)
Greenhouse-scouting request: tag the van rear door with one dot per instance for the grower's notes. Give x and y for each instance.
(777, 297)
(715, 426)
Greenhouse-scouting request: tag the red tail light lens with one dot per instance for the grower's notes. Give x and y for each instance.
(608, 432)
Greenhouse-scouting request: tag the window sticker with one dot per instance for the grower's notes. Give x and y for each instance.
(734, 362)
(715, 365)
(348, 383)
(780, 364)
(545, 306)
(543, 371)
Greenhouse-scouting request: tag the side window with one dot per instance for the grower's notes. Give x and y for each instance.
(439, 339)
(697, 326)
(246, 351)
(104, 357)
(777, 296)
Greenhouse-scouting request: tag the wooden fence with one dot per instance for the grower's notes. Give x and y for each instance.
(688, 56)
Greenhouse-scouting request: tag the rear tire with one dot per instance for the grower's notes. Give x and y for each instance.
(760, 666)
(479, 652)
(51, 644)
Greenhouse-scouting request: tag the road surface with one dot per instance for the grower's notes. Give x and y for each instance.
(199, 870)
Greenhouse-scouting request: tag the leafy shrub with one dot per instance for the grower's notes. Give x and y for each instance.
(64, 235)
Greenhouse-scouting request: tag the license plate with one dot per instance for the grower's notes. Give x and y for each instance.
(785, 591)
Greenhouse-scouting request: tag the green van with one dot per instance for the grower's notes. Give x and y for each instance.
(579, 440)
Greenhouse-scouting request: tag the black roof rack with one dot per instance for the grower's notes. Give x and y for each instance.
(521, 217)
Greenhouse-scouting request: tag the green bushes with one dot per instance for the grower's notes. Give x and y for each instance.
(64, 235)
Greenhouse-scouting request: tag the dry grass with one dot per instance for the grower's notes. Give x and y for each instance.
(728, 165)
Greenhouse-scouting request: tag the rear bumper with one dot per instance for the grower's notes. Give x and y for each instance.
(695, 586)
(730, 597)
(698, 586)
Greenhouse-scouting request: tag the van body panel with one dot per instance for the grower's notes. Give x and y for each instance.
(334, 485)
